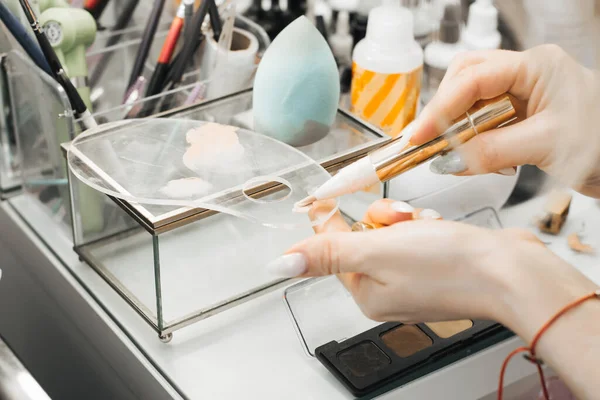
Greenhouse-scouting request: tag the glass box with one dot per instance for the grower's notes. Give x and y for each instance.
(10, 179)
(177, 266)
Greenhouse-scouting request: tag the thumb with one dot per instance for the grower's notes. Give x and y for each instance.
(321, 255)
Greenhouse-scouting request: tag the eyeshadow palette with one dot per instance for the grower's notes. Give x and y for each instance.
(370, 358)
(393, 354)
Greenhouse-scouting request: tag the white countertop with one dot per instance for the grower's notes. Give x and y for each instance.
(253, 351)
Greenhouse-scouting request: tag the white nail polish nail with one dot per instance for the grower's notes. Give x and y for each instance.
(508, 171)
(451, 163)
(429, 214)
(402, 207)
(288, 266)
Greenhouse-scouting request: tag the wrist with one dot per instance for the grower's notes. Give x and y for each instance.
(535, 286)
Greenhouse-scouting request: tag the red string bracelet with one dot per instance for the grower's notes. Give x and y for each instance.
(531, 349)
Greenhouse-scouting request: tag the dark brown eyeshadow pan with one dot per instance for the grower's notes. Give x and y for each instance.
(406, 340)
(364, 359)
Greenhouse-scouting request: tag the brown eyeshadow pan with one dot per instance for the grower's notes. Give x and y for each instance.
(364, 359)
(448, 329)
(406, 340)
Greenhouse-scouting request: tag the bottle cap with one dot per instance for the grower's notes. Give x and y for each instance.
(450, 24)
(390, 24)
(483, 18)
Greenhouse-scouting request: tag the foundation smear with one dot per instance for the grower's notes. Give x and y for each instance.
(213, 145)
(406, 340)
(186, 188)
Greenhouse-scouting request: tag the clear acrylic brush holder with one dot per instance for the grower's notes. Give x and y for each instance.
(43, 120)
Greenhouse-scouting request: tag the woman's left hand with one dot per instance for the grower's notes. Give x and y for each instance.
(417, 268)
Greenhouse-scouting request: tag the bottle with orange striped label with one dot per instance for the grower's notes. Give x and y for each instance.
(386, 70)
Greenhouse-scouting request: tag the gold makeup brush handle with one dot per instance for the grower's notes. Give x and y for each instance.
(390, 160)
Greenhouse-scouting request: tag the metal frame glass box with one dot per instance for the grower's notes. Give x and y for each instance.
(176, 266)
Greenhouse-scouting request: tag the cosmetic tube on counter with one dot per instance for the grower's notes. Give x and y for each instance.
(440, 53)
(397, 157)
(386, 70)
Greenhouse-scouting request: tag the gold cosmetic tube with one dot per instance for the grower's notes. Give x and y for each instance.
(391, 160)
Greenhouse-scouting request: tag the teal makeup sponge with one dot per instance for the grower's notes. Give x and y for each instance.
(297, 87)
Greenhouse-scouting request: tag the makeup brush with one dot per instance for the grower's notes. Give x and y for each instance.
(160, 71)
(215, 20)
(189, 15)
(122, 22)
(22, 36)
(190, 45)
(146, 43)
(395, 157)
(57, 70)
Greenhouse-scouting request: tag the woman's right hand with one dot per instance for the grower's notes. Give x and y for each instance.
(559, 98)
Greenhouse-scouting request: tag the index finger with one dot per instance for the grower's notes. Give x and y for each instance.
(485, 80)
(336, 223)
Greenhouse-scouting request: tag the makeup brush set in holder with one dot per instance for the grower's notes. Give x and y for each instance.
(177, 264)
(10, 169)
(44, 120)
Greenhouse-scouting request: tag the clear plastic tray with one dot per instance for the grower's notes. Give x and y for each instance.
(186, 163)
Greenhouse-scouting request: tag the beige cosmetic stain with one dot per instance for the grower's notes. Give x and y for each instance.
(450, 328)
(186, 187)
(212, 145)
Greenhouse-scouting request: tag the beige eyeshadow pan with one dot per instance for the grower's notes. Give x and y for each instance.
(449, 328)
(406, 340)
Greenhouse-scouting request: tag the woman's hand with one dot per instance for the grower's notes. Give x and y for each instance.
(417, 268)
(559, 98)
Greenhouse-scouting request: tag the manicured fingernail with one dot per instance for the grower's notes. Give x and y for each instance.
(451, 163)
(288, 266)
(429, 214)
(407, 134)
(402, 207)
(512, 171)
